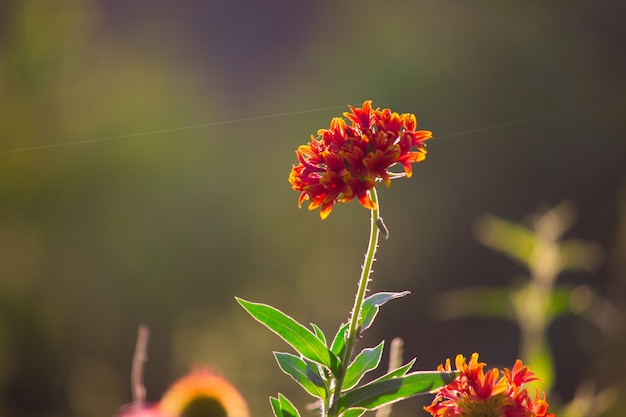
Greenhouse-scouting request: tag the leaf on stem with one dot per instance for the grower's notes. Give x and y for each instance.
(388, 391)
(401, 371)
(364, 362)
(319, 333)
(296, 335)
(303, 373)
(282, 407)
(353, 412)
(339, 342)
(372, 304)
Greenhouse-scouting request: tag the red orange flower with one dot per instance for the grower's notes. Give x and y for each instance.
(202, 392)
(492, 394)
(346, 161)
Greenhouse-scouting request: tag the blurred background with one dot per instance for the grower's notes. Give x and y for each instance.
(527, 104)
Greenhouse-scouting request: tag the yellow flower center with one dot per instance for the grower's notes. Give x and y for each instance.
(489, 407)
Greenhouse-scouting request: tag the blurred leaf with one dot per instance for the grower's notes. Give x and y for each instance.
(580, 255)
(541, 362)
(302, 373)
(560, 301)
(296, 335)
(477, 301)
(371, 305)
(282, 407)
(514, 240)
(364, 362)
(339, 342)
(388, 391)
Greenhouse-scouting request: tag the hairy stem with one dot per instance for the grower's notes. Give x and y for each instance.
(353, 330)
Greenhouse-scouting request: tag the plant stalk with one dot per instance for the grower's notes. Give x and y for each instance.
(353, 330)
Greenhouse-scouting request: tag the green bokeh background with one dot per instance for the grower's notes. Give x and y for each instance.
(166, 228)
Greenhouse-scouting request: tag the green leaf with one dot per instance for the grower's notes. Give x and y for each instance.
(371, 305)
(364, 362)
(512, 239)
(572, 300)
(472, 302)
(580, 255)
(282, 407)
(379, 393)
(276, 407)
(401, 371)
(353, 412)
(302, 373)
(296, 335)
(319, 333)
(339, 342)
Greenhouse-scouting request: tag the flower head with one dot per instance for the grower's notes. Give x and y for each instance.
(346, 160)
(200, 393)
(493, 394)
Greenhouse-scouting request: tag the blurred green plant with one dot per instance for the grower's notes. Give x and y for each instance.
(534, 302)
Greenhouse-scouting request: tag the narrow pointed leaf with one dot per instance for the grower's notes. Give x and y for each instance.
(287, 407)
(401, 371)
(379, 393)
(372, 304)
(339, 342)
(323, 372)
(282, 407)
(319, 333)
(276, 407)
(364, 362)
(302, 373)
(353, 412)
(296, 335)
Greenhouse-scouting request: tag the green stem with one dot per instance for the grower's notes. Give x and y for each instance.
(353, 330)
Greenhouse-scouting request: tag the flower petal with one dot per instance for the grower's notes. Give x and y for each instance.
(345, 161)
